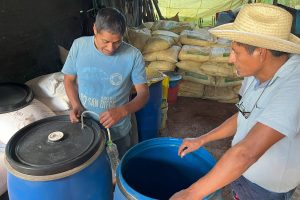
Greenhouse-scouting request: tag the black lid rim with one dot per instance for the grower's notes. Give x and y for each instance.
(53, 168)
(26, 101)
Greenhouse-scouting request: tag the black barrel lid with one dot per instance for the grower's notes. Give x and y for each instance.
(53, 145)
(14, 96)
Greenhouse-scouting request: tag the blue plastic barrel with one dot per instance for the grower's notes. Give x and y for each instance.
(53, 159)
(91, 183)
(153, 170)
(149, 117)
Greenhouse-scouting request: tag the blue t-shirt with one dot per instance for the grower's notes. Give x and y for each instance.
(105, 81)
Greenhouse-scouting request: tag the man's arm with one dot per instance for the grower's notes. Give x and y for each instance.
(233, 163)
(113, 115)
(226, 129)
(141, 98)
(72, 93)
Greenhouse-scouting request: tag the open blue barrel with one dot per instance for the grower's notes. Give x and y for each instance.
(149, 117)
(55, 159)
(153, 170)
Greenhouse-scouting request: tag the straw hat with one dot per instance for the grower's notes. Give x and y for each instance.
(261, 25)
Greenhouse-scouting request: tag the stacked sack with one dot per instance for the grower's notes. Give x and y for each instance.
(201, 59)
(205, 69)
(50, 90)
(162, 49)
(159, 43)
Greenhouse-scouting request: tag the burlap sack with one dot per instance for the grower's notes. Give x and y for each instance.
(153, 76)
(173, 26)
(138, 37)
(197, 77)
(218, 69)
(221, 42)
(228, 81)
(190, 66)
(158, 43)
(234, 100)
(219, 54)
(189, 94)
(147, 25)
(194, 53)
(221, 93)
(199, 37)
(190, 89)
(167, 33)
(169, 55)
(162, 66)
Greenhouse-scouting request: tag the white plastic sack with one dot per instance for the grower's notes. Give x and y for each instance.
(3, 175)
(56, 104)
(50, 90)
(50, 85)
(11, 122)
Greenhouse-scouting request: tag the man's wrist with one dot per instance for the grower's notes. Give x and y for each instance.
(124, 111)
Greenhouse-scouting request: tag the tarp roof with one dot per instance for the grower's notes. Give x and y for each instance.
(193, 10)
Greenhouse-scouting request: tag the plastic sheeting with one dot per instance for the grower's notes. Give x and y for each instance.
(203, 12)
(195, 10)
(288, 3)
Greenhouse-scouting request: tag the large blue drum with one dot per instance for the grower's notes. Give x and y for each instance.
(149, 117)
(153, 170)
(55, 159)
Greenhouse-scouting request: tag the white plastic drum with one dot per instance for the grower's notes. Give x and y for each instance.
(18, 108)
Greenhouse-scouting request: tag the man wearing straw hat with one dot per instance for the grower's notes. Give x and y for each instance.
(263, 162)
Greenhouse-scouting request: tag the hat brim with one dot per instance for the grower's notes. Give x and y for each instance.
(227, 31)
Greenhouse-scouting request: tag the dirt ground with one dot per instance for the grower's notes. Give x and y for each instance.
(191, 117)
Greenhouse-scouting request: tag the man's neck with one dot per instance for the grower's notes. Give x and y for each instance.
(271, 65)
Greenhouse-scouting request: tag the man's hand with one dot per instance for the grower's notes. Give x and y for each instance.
(112, 116)
(189, 145)
(70, 84)
(75, 114)
(187, 194)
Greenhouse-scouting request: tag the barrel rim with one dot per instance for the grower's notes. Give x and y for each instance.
(127, 190)
(54, 176)
(21, 169)
(25, 101)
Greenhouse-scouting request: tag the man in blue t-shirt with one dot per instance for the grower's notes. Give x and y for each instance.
(100, 72)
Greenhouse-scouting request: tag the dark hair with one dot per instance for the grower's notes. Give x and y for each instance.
(250, 49)
(111, 20)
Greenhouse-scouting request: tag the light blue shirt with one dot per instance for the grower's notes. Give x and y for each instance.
(276, 104)
(105, 81)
